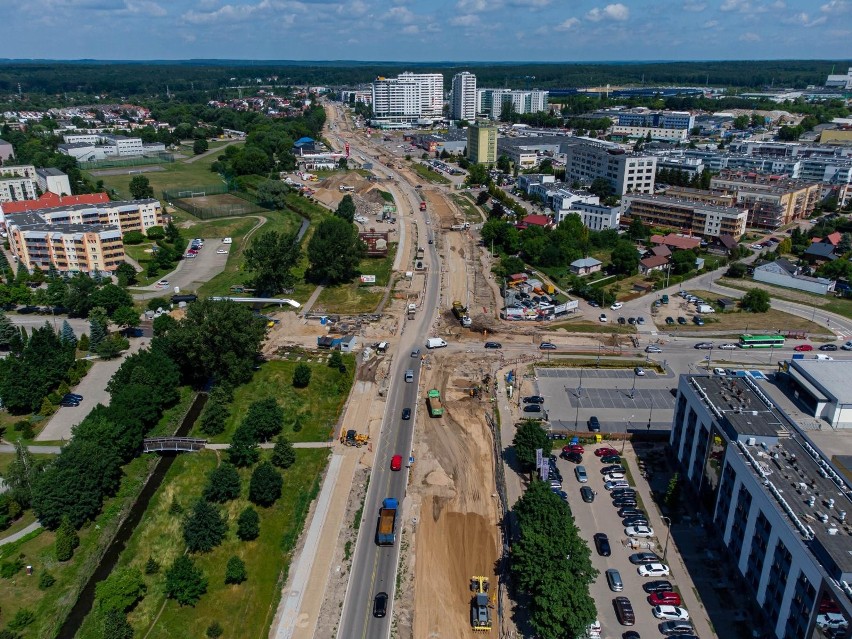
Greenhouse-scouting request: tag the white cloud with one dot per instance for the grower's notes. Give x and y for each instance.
(354, 8)
(401, 14)
(616, 11)
(694, 6)
(567, 25)
(735, 5)
(411, 29)
(710, 24)
(468, 20)
(242, 12)
(530, 4)
(473, 6)
(145, 7)
(749, 36)
(836, 6)
(804, 20)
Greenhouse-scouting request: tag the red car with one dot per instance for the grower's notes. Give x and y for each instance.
(396, 462)
(801, 348)
(667, 598)
(605, 452)
(573, 448)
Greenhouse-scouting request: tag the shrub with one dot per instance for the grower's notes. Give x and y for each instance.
(45, 580)
(9, 569)
(156, 233)
(133, 237)
(66, 540)
(185, 582)
(22, 619)
(302, 376)
(152, 566)
(248, 524)
(235, 572)
(214, 630)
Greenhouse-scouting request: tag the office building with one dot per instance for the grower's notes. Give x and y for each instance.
(587, 159)
(778, 503)
(482, 143)
(52, 180)
(490, 102)
(464, 97)
(687, 216)
(682, 120)
(596, 217)
(655, 134)
(840, 81)
(89, 147)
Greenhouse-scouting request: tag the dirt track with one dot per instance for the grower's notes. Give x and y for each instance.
(453, 498)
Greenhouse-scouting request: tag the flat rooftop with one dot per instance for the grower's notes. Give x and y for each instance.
(833, 377)
(741, 411)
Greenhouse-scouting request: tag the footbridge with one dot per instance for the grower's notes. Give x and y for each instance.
(173, 444)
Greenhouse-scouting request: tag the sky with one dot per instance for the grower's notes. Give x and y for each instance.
(427, 30)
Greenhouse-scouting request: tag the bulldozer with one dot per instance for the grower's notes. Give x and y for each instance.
(480, 612)
(354, 438)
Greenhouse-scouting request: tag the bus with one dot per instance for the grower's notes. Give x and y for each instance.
(761, 341)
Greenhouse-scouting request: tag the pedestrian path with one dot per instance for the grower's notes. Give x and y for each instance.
(23, 532)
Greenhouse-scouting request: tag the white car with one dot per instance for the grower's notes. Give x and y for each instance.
(653, 570)
(720, 372)
(727, 347)
(670, 613)
(639, 531)
(614, 477)
(616, 306)
(222, 251)
(618, 483)
(603, 317)
(163, 283)
(653, 349)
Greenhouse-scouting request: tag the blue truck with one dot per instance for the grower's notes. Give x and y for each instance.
(386, 526)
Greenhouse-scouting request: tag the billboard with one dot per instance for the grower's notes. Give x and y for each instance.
(368, 279)
(377, 243)
(567, 306)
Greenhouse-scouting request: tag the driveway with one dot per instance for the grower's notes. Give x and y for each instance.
(93, 389)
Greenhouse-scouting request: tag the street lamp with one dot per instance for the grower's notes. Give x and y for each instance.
(633, 389)
(580, 387)
(668, 523)
(624, 441)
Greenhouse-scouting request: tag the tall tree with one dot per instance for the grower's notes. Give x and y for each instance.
(185, 582)
(243, 451)
(248, 524)
(529, 437)
(265, 418)
(215, 412)
(283, 454)
(223, 484)
(7, 331)
(271, 258)
(265, 485)
(204, 528)
(140, 188)
(625, 258)
(346, 209)
(67, 335)
(334, 251)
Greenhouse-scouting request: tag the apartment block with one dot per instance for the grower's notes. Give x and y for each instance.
(656, 134)
(396, 100)
(682, 120)
(464, 96)
(490, 102)
(596, 217)
(482, 143)
(52, 180)
(687, 216)
(17, 183)
(777, 503)
(774, 200)
(587, 159)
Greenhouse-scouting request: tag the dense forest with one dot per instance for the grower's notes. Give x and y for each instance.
(130, 79)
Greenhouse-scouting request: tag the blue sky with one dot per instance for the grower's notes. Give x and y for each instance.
(427, 30)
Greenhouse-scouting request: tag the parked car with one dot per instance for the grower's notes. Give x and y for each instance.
(533, 408)
(69, 403)
(639, 371)
(681, 320)
(631, 512)
(698, 320)
(631, 320)
(75, 396)
(727, 347)
(644, 558)
(534, 399)
(602, 317)
(575, 448)
(803, 348)
(605, 451)
(640, 320)
(396, 462)
(572, 456)
(660, 585)
(624, 611)
(406, 413)
(547, 346)
(613, 579)
(634, 521)
(828, 347)
(671, 613)
(652, 348)
(611, 459)
(594, 425)
(670, 321)
(613, 477)
(612, 469)
(704, 346)
(619, 483)
(580, 472)
(221, 251)
(681, 628)
(616, 306)
(415, 352)
(493, 345)
(622, 492)
(621, 320)
(602, 545)
(653, 570)
(665, 598)
(624, 502)
(587, 494)
(639, 531)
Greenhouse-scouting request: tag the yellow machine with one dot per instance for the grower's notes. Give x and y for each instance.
(480, 612)
(354, 438)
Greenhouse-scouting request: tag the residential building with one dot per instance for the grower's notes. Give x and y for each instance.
(700, 195)
(776, 502)
(396, 100)
(50, 200)
(653, 263)
(431, 93)
(464, 97)
(782, 272)
(587, 159)
(527, 180)
(490, 102)
(682, 120)
(690, 166)
(820, 253)
(526, 152)
(687, 216)
(353, 97)
(17, 183)
(655, 134)
(7, 151)
(561, 200)
(52, 180)
(596, 217)
(772, 199)
(586, 266)
(482, 143)
(675, 242)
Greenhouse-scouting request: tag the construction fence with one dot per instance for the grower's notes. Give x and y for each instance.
(145, 160)
(214, 201)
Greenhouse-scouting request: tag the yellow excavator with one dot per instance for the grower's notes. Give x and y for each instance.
(354, 438)
(480, 612)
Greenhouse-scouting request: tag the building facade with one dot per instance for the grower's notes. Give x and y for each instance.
(774, 200)
(52, 180)
(17, 183)
(596, 217)
(765, 487)
(464, 97)
(490, 102)
(482, 143)
(784, 273)
(7, 151)
(396, 100)
(655, 134)
(588, 159)
(431, 93)
(688, 216)
(682, 120)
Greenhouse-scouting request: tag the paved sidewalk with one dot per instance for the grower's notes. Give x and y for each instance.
(679, 575)
(269, 445)
(21, 533)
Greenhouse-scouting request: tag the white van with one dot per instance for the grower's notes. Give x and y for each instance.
(226, 240)
(823, 358)
(435, 342)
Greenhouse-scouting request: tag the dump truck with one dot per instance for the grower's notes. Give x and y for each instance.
(459, 310)
(386, 526)
(460, 227)
(480, 613)
(433, 399)
(422, 206)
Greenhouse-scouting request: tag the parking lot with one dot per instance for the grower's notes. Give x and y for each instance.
(594, 373)
(601, 516)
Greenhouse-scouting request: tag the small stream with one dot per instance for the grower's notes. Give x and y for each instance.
(87, 596)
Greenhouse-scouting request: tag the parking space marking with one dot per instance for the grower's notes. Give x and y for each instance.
(620, 398)
(593, 373)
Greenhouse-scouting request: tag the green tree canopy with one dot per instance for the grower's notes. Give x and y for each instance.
(265, 485)
(248, 524)
(301, 375)
(271, 258)
(121, 589)
(528, 437)
(755, 301)
(235, 571)
(346, 209)
(204, 528)
(283, 455)
(625, 258)
(185, 582)
(334, 251)
(243, 451)
(140, 188)
(223, 484)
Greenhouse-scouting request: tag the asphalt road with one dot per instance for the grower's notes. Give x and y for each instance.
(373, 567)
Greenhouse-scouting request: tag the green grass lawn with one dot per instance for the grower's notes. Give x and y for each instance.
(174, 176)
(825, 302)
(355, 298)
(584, 326)
(428, 174)
(244, 610)
(317, 406)
(472, 213)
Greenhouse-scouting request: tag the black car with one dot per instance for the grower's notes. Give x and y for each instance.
(533, 408)
(594, 424)
(611, 459)
(493, 345)
(73, 396)
(670, 321)
(828, 347)
(681, 320)
(602, 544)
(645, 558)
(380, 605)
(571, 456)
(621, 320)
(406, 413)
(587, 494)
(612, 469)
(553, 473)
(624, 502)
(623, 492)
(69, 403)
(659, 585)
(631, 320)
(547, 346)
(534, 399)
(627, 522)
(631, 634)
(631, 512)
(704, 346)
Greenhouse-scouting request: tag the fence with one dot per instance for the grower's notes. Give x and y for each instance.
(214, 201)
(160, 158)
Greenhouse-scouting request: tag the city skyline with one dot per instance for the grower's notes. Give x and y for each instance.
(416, 31)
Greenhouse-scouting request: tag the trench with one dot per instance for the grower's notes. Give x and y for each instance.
(86, 599)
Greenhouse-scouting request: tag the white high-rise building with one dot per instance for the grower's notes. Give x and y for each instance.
(464, 96)
(490, 101)
(396, 100)
(431, 93)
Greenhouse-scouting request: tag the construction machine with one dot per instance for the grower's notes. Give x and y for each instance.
(480, 612)
(354, 438)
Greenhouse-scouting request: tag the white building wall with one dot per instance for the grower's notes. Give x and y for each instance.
(464, 96)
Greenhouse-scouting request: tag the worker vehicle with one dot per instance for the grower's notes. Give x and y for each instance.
(386, 525)
(480, 612)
